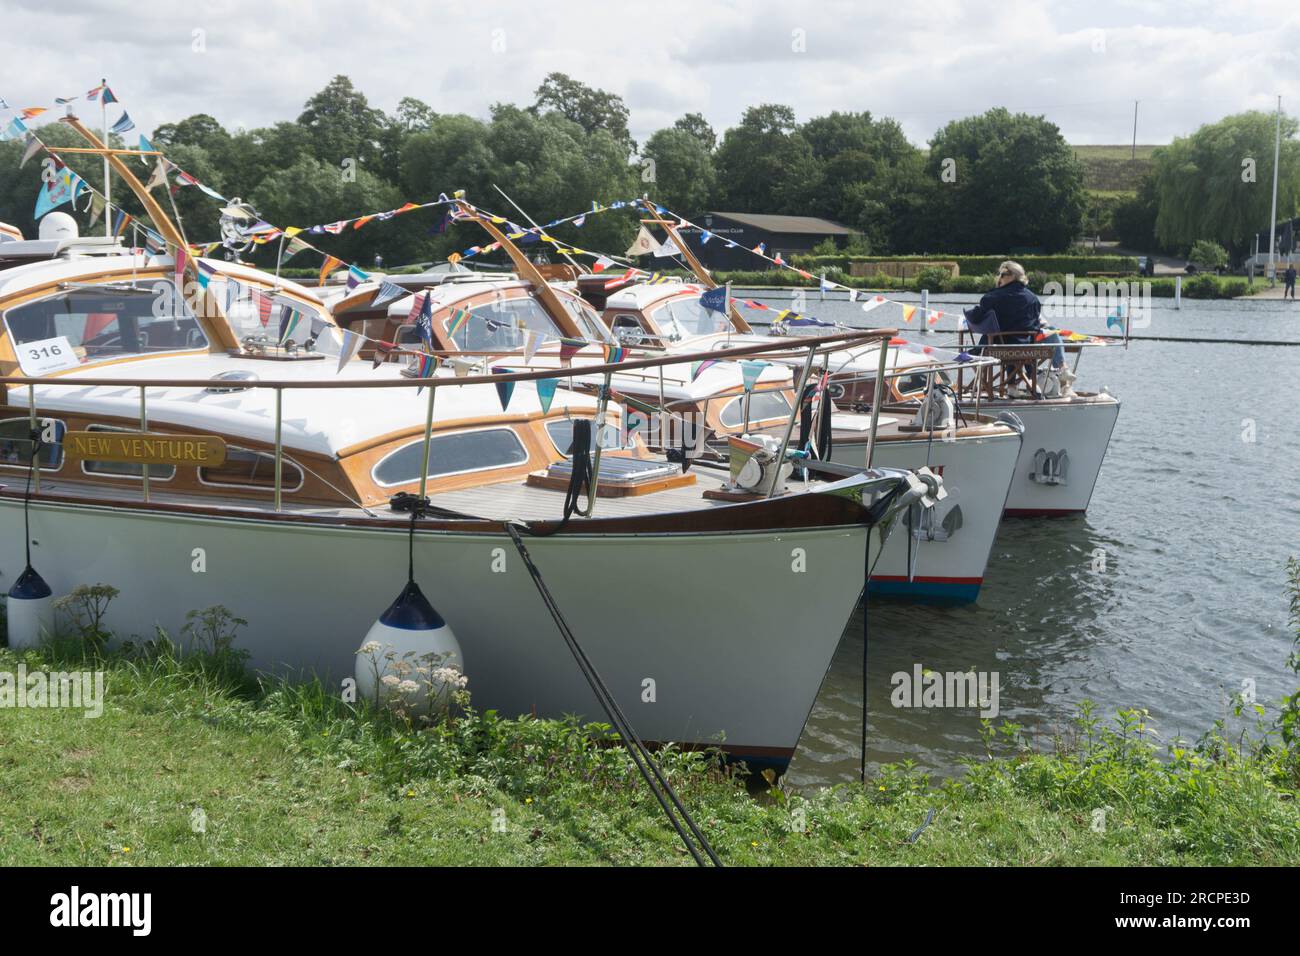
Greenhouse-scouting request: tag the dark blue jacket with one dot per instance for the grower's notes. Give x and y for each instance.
(1017, 308)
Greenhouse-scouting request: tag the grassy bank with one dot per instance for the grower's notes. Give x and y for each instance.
(193, 762)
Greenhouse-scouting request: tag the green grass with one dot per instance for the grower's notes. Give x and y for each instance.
(290, 775)
(1112, 170)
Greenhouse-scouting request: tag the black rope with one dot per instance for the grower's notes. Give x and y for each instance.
(580, 477)
(866, 584)
(27, 495)
(645, 763)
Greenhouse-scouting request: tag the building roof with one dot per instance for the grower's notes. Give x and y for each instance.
(789, 224)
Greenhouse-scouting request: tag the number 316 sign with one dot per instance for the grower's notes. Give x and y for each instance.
(47, 355)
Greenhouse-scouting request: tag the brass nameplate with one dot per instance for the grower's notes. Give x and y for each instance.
(146, 448)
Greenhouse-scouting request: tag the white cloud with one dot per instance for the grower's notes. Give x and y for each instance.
(1080, 63)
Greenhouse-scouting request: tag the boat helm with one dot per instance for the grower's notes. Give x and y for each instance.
(58, 225)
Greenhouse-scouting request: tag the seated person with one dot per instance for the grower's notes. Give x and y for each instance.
(1018, 312)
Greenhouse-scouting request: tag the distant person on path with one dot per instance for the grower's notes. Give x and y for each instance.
(1289, 278)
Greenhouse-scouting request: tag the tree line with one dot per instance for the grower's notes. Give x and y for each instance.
(992, 183)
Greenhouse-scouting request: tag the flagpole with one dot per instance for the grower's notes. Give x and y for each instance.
(108, 176)
(1272, 230)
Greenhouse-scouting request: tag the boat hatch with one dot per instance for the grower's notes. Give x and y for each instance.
(617, 476)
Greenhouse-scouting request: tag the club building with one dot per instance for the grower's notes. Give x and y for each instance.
(788, 235)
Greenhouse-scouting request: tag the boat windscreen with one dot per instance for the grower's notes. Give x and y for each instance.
(684, 317)
(89, 324)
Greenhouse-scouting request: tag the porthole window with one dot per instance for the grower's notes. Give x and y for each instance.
(453, 454)
(16, 444)
(245, 468)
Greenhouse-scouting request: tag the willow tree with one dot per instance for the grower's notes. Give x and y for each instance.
(1217, 183)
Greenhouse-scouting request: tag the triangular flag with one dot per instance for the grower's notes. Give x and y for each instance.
(750, 370)
(614, 354)
(108, 96)
(504, 389)
(546, 392)
(643, 244)
(159, 177)
(33, 147)
(569, 348)
(669, 248)
(388, 291)
(531, 341)
(96, 207)
(698, 367)
(601, 264)
(124, 124)
(462, 367)
(329, 266)
(874, 302)
(32, 111)
(908, 312)
(351, 342)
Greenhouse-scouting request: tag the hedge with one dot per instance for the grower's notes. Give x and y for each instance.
(1080, 266)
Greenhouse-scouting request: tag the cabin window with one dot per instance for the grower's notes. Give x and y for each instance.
(245, 468)
(102, 322)
(587, 318)
(684, 317)
(500, 324)
(452, 455)
(629, 331)
(122, 469)
(561, 432)
(245, 318)
(763, 405)
(16, 444)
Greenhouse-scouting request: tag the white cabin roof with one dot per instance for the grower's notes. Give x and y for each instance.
(323, 421)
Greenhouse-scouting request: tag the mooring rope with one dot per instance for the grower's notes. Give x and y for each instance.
(645, 763)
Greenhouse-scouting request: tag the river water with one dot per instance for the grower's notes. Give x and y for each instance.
(1196, 521)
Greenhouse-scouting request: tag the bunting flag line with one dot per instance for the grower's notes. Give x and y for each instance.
(546, 392)
(123, 125)
(292, 248)
(504, 389)
(614, 354)
(120, 221)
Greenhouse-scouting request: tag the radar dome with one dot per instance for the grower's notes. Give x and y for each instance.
(58, 225)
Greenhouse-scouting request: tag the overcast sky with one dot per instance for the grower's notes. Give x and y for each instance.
(1080, 63)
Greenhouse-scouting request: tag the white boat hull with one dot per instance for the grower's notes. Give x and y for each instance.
(1080, 426)
(656, 613)
(977, 472)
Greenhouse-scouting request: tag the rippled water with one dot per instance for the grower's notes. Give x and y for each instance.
(1196, 524)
